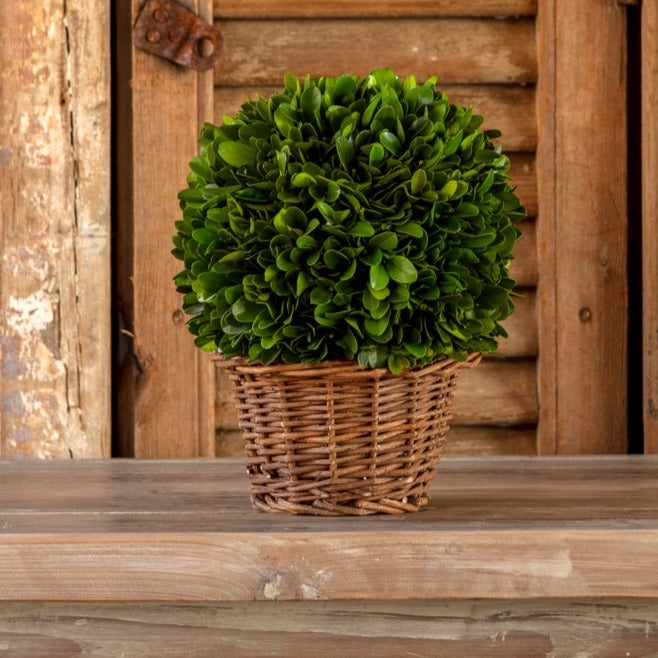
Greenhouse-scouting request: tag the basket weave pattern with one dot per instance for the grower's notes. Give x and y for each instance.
(333, 439)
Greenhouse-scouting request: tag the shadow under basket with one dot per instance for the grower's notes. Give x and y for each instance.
(333, 439)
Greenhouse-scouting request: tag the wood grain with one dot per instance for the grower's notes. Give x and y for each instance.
(369, 8)
(167, 383)
(481, 440)
(497, 392)
(650, 223)
(183, 530)
(524, 628)
(590, 227)
(455, 50)
(508, 108)
(55, 229)
(547, 364)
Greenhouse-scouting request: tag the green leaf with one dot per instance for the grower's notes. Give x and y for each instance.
(419, 351)
(449, 189)
(291, 83)
(418, 182)
(210, 282)
(386, 240)
(362, 229)
(401, 269)
(236, 154)
(375, 327)
(378, 277)
(244, 310)
(204, 236)
(390, 142)
(413, 229)
(345, 151)
(311, 101)
(377, 154)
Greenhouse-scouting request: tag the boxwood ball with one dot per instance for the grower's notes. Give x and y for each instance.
(348, 218)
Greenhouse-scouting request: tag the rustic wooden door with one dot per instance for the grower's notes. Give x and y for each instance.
(559, 98)
(559, 384)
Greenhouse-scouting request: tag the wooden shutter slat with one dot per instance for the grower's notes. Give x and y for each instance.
(455, 50)
(490, 440)
(497, 392)
(358, 8)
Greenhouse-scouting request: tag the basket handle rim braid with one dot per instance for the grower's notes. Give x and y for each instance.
(347, 368)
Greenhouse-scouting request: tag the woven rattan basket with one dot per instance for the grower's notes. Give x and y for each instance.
(333, 439)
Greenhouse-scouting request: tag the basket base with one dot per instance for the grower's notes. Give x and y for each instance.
(360, 507)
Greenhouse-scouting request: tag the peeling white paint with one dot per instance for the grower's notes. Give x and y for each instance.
(272, 589)
(309, 592)
(29, 314)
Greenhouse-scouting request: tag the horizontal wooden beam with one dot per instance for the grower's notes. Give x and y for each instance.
(481, 440)
(456, 50)
(388, 629)
(380, 8)
(184, 531)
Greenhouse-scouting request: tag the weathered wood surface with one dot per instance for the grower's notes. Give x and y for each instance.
(166, 387)
(522, 628)
(590, 230)
(501, 528)
(54, 229)
(364, 8)
(547, 366)
(497, 392)
(508, 108)
(456, 50)
(650, 222)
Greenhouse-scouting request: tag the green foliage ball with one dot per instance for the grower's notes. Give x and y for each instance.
(348, 218)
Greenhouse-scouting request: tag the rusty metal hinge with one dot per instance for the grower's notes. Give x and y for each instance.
(166, 29)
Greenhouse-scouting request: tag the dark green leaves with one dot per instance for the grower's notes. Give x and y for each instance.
(365, 219)
(236, 154)
(401, 269)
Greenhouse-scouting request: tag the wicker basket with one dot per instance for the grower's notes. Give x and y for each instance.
(333, 439)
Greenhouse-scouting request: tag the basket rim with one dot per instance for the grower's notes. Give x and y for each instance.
(241, 364)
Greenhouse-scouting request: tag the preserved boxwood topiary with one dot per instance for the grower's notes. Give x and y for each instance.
(348, 218)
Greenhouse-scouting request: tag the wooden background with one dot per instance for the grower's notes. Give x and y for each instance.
(55, 229)
(560, 100)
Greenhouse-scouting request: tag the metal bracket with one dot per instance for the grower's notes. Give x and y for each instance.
(167, 30)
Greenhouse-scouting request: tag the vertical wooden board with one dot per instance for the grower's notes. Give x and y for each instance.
(54, 236)
(650, 222)
(591, 227)
(545, 230)
(168, 390)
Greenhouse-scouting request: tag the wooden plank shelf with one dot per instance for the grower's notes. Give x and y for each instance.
(496, 528)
